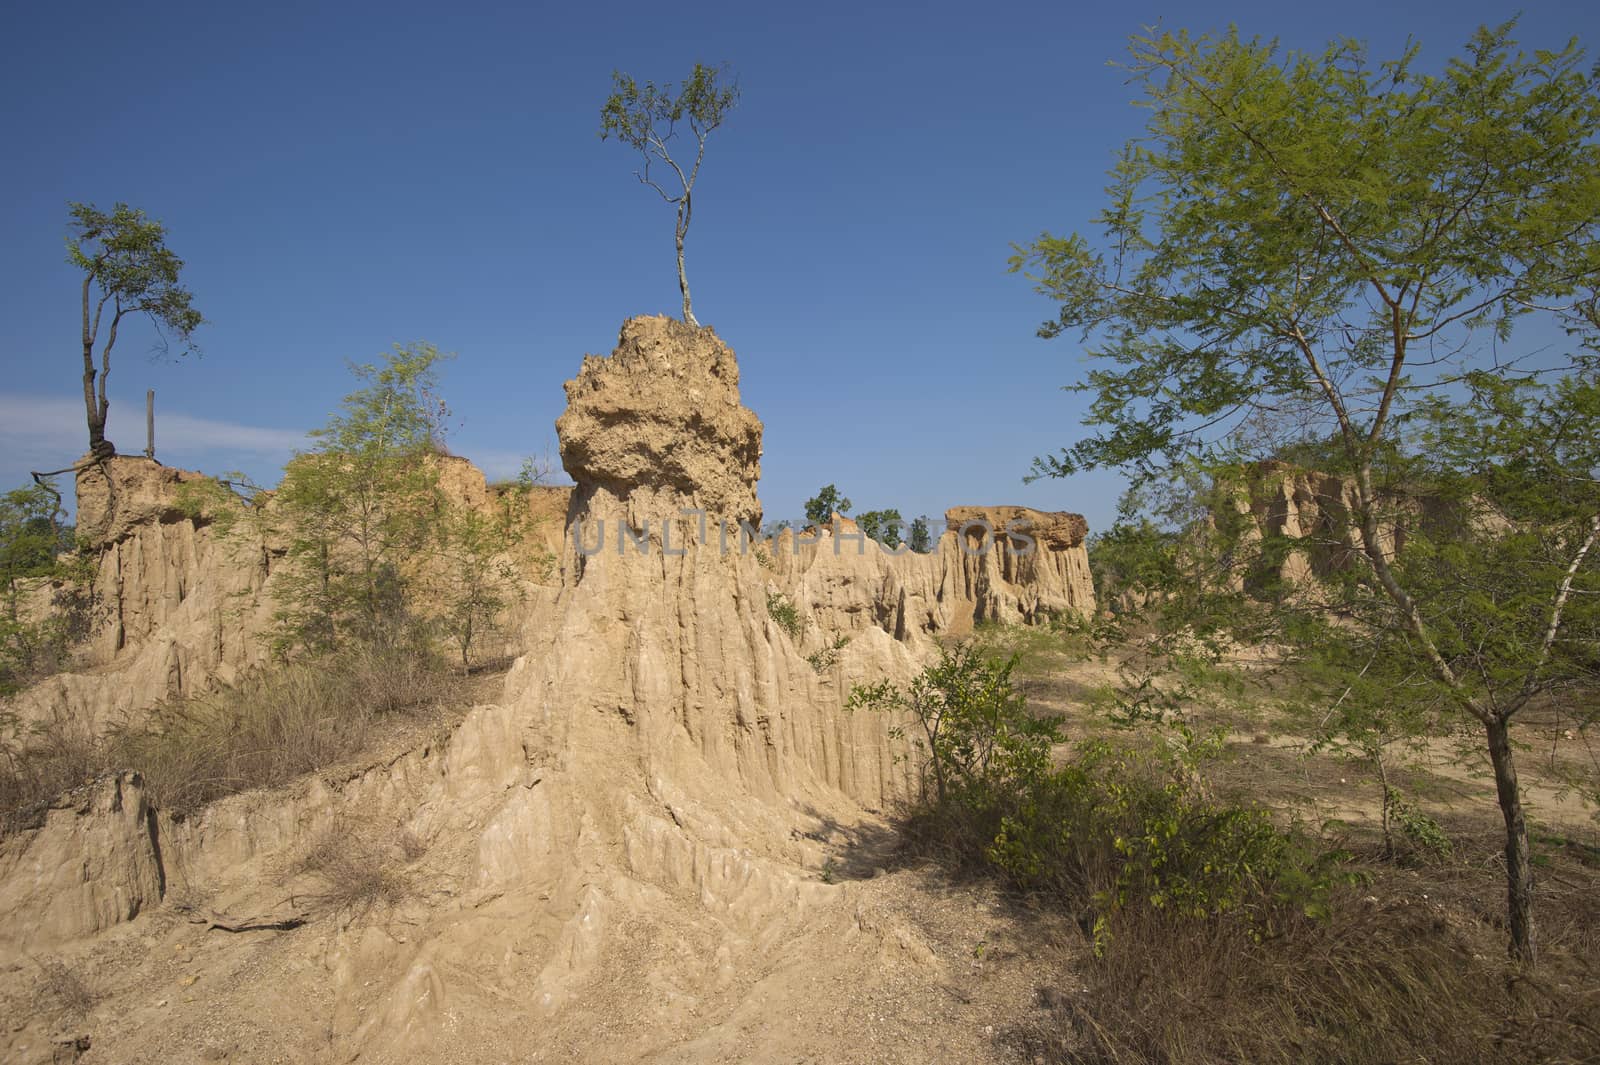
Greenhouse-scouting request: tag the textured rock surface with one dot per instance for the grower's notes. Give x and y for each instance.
(175, 609)
(93, 864)
(659, 423)
(622, 859)
(975, 573)
(1021, 565)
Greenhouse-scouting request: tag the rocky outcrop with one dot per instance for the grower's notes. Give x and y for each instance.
(634, 827)
(1011, 565)
(174, 608)
(659, 423)
(1021, 565)
(94, 862)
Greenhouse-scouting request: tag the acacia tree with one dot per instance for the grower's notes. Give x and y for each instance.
(1316, 236)
(127, 270)
(647, 119)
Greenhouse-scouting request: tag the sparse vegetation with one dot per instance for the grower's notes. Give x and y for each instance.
(825, 659)
(285, 721)
(647, 119)
(62, 989)
(1252, 270)
(786, 614)
(45, 601)
(1116, 825)
(360, 866)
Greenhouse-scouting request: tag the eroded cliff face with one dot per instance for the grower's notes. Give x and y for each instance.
(174, 609)
(619, 858)
(1297, 528)
(1006, 564)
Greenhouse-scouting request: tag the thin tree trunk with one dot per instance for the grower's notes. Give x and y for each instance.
(683, 278)
(1519, 870)
(97, 422)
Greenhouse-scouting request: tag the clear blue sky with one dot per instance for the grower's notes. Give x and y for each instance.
(341, 177)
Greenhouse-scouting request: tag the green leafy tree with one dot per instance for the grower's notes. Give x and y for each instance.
(127, 270)
(921, 537)
(883, 526)
(34, 633)
(359, 510)
(473, 579)
(1341, 241)
(821, 507)
(648, 118)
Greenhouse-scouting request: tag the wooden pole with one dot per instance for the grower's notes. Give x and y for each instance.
(150, 424)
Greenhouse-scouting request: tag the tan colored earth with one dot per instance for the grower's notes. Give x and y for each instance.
(659, 838)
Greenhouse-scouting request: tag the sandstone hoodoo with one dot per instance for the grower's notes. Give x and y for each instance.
(658, 424)
(639, 818)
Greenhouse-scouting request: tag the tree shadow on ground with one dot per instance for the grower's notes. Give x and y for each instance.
(862, 850)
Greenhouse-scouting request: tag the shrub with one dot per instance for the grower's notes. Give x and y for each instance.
(63, 989)
(45, 597)
(786, 614)
(1116, 826)
(825, 659)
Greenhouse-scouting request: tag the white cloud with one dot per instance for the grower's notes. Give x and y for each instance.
(38, 430)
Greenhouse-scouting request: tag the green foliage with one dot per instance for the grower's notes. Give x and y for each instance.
(1325, 245)
(825, 659)
(648, 119)
(1118, 825)
(821, 507)
(786, 614)
(30, 536)
(1418, 829)
(1289, 217)
(472, 580)
(1127, 825)
(125, 255)
(127, 270)
(971, 727)
(883, 526)
(362, 512)
(921, 538)
(44, 595)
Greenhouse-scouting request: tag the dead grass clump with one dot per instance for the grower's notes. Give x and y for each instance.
(282, 723)
(61, 988)
(275, 725)
(360, 866)
(40, 764)
(1408, 980)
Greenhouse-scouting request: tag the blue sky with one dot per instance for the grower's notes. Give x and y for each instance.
(342, 177)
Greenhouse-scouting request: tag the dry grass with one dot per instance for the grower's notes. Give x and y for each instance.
(37, 767)
(62, 989)
(1410, 968)
(264, 732)
(361, 866)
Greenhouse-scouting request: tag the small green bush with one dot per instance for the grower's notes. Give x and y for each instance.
(1116, 825)
(825, 659)
(786, 614)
